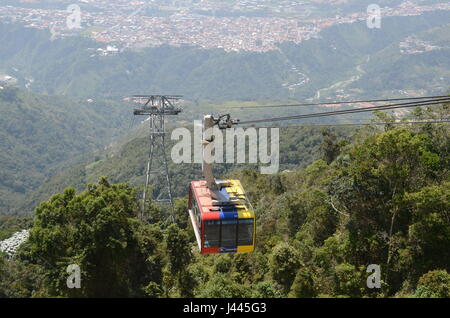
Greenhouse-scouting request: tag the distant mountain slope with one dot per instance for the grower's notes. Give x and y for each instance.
(367, 62)
(336, 59)
(299, 146)
(72, 67)
(422, 58)
(40, 132)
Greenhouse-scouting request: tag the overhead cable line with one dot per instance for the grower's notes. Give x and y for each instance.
(445, 120)
(437, 97)
(351, 111)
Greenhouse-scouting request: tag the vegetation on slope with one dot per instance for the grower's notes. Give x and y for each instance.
(299, 146)
(382, 199)
(40, 132)
(71, 67)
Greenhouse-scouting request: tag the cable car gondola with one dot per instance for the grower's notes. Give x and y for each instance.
(221, 215)
(221, 226)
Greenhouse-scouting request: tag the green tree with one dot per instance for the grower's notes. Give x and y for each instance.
(3, 276)
(178, 248)
(223, 264)
(19, 279)
(371, 185)
(429, 232)
(330, 146)
(348, 280)
(434, 284)
(284, 264)
(97, 230)
(303, 285)
(266, 289)
(179, 252)
(221, 287)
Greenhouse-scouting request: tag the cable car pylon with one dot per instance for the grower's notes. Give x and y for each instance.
(157, 107)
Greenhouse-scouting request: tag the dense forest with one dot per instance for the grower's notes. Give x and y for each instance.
(51, 142)
(347, 198)
(41, 133)
(378, 197)
(299, 146)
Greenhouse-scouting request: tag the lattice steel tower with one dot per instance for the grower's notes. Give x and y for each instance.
(157, 107)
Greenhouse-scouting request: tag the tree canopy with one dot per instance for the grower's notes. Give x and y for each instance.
(383, 199)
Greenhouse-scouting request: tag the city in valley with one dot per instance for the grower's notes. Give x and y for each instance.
(246, 25)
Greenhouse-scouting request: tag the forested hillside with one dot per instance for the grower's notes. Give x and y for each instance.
(299, 146)
(40, 132)
(382, 199)
(72, 67)
(334, 63)
(51, 142)
(353, 59)
(356, 188)
(390, 68)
